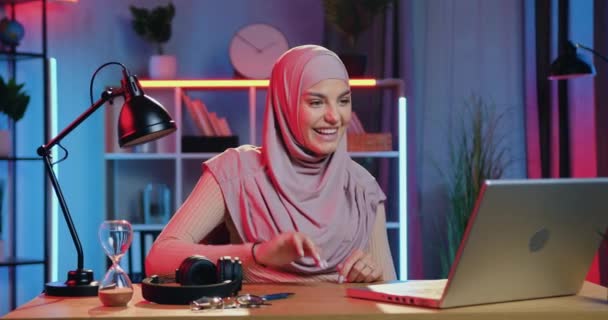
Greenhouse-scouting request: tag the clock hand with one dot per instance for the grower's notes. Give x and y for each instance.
(268, 46)
(249, 43)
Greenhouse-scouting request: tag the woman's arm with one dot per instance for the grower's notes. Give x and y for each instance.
(203, 210)
(379, 248)
(374, 265)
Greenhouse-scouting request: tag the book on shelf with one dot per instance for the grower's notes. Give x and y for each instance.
(359, 140)
(215, 123)
(197, 116)
(208, 129)
(207, 123)
(225, 127)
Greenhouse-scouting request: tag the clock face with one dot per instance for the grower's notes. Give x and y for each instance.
(255, 48)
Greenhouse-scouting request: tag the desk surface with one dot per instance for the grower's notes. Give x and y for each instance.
(321, 301)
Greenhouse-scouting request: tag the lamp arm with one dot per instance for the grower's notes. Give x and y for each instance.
(592, 51)
(105, 97)
(44, 151)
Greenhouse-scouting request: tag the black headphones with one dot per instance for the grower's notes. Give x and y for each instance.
(196, 277)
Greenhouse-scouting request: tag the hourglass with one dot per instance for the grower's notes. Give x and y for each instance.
(116, 288)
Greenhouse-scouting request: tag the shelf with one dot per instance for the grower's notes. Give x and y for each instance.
(140, 156)
(29, 212)
(130, 172)
(20, 158)
(230, 83)
(199, 155)
(10, 55)
(374, 154)
(208, 155)
(14, 261)
(147, 227)
(392, 225)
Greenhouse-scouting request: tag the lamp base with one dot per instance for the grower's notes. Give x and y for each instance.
(60, 289)
(80, 284)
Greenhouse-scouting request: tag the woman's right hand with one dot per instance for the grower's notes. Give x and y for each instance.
(285, 248)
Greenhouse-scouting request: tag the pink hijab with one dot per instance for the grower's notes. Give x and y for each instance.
(281, 187)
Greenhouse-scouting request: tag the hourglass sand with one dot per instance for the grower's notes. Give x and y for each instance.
(116, 288)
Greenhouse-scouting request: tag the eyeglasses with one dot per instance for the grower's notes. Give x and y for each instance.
(240, 301)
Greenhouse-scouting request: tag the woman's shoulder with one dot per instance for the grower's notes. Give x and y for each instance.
(364, 179)
(360, 173)
(237, 161)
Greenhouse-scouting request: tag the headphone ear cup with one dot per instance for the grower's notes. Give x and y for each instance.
(224, 269)
(196, 270)
(237, 273)
(230, 269)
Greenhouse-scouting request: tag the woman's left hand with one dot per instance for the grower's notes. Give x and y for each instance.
(359, 267)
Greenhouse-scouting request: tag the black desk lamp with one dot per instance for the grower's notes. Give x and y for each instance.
(142, 119)
(572, 65)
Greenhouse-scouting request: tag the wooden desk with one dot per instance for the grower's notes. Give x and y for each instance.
(321, 301)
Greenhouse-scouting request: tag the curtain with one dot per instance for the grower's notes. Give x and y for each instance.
(600, 40)
(449, 50)
(565, 126)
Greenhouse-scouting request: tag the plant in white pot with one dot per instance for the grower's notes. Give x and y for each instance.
(13, 103)
(154, 25)
(351, 18)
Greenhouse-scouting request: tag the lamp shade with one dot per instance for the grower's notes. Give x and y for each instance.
(143, 119)
(570, 65)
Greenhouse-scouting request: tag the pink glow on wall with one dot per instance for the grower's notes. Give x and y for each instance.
(582, 122)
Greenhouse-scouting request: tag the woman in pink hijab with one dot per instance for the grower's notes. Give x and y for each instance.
(298, 208)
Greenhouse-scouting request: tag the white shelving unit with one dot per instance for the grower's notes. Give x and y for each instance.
(127, 172)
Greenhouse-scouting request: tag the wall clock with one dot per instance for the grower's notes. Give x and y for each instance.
(255, 48)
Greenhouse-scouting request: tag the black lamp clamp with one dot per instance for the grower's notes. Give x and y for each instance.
(142, 119)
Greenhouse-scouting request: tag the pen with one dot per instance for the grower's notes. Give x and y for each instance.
(276, 296)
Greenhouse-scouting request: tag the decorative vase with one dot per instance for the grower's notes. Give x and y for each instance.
(162, 67)
(11, 32)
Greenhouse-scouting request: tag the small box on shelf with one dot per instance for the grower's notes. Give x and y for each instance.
(359, 142)
(208, 143)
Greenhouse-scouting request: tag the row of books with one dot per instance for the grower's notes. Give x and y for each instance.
(207, 123)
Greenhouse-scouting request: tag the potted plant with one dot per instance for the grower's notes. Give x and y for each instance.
(477, 152)
(351, 18)
(155, 26)
(13, 103)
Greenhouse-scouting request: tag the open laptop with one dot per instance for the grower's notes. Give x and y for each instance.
(525, 239)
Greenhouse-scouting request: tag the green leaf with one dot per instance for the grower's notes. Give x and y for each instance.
(153, 25)
(476, 153)
(353, 17)
(13, 102)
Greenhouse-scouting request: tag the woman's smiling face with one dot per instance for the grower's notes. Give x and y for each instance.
(323, 115)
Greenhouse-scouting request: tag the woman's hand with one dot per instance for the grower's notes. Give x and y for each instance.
(286, 248)
(359, 267)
